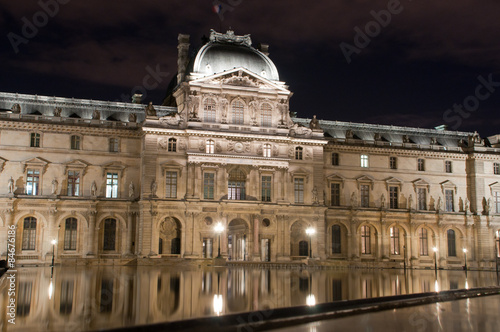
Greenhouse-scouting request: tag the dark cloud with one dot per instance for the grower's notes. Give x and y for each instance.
(425, 60)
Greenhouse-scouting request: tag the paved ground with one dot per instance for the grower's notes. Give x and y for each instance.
(474, 314)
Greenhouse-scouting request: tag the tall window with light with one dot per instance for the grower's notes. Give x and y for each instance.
(73, 183)
(29, 233)
(32, 181)
(424, 242)
(210, 146)
(393, 197)
(364, 160)
(422, 198)
(236, 185)
(335, 194)
(365, 195)
(366, 248)
(266, 150)
(111, 185)
(208, 185)
(449, 202)
(394, 233)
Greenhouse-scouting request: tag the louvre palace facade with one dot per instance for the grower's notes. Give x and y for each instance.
(125, 183)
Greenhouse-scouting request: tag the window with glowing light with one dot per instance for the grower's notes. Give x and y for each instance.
(209, 110)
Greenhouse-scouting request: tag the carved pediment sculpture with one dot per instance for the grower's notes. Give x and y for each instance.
(172, 119)
(300, 130)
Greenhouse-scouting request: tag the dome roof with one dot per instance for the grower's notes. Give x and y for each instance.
(227, 51)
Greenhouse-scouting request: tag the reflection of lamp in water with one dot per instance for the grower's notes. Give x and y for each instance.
(436, 285)
(219, 228)
(310, 300)
(435, 259)
(218, 304)
(310, 231)
(53, 250)
(51, 289)
(465, 255)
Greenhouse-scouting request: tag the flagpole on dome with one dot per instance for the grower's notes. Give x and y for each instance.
(217, 9)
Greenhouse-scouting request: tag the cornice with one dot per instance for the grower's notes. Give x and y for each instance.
(397, 151)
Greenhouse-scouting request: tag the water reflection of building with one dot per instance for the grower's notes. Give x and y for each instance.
(105, 297)
(120, 181)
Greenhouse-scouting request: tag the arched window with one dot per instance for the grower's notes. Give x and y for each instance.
(238, 112)
(75, 142)
(210, 146)
(266, 152)
(209, 107)
(336, 245)
(394, 241)
(266, 115)
(109, 234)
(366, 247)
(424, 242)
(172, 145)
(452, 249)
(29, 233)
(236, 185)
(70, 234)
(298, 153)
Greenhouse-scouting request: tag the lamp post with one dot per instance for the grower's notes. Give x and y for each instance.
(219, 228)
(310, 231)
(465, 256)
(53, 250)
(435, 259)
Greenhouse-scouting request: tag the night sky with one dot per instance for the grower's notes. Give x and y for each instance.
(423, 58)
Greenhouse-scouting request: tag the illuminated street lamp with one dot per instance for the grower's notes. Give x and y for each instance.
(310, 231)
(218, 304)
(465, 254)
(435, 259)
(219, 228)
(53, 250)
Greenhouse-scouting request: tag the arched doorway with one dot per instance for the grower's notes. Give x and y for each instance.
(237, 243)
(169, 242)
(299, 241)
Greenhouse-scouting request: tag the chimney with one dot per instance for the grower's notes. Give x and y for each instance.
(137, 98)
(264, 48)
(182, 56)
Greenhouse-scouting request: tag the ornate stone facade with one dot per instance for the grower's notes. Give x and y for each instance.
(150, 181)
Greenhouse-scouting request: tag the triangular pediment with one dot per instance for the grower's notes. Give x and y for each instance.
(420, 182)
(2, 163)
(448, 185)
(300, 172)
(76, 164)
(495, 186)
(241, 77)
(115, 166)
(365, 178)
(36, 162)
(172, 165)
(393, 180)
(335, 177)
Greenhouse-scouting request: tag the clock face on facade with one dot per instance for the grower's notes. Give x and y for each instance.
(238, 147)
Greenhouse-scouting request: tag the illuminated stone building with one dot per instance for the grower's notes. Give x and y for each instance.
(118, 183)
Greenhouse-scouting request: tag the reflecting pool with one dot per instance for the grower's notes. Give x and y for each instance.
(91, 298)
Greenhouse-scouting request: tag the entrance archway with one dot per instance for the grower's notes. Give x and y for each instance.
(237, 243)
(169, 242)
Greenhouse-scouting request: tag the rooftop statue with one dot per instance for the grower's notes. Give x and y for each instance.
(230, 37)
(150, 110)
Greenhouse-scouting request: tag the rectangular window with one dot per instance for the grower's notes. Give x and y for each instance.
(29, 234)
(106, 301)
(394, 240)
(335, 194)
(298, 153)
(447, 166)
(35, 140)
(266, 188)
(496, 168)
(113, 144)
(393, 163)
(422, 198)
(112, 185)
(33, 182)
(24, 298)
(73, 183)
(208, 185)
(424, 244)
(70, 234)
(421, 165)
(449, 200)
(299, 190)
(452, 249)
(393, 198)
(75, 142)
(364, 160)
(109, 235)
(336, 238)
(236, 190)
(171, 184)
(366, 248)
(267, 150)
(335, 159)
(365, 195)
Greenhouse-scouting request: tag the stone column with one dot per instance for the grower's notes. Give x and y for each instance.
(383, 251)
(189, 179)
(128, 244)
(197, 176)
(354, 240)
(256, 256)
(50, 233)
(91, 250)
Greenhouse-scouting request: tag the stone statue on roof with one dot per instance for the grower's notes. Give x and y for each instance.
(314, 124)
(132, 117)
(150, 110)
(57, 111)
(16, 108)
(96, 115)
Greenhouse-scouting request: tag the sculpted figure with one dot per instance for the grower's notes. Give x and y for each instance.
(11, 185)
(153, 188)
(253, 109)
(315, 195)
(132, 117)
(93, 189)
(150, 110)
(16, 108)
(354, 200)
(57, 111)
(314, 124)
(382, 201)
(410, 202)
(131, 189)
(96, 115)
(467, 206)
(54, 186)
